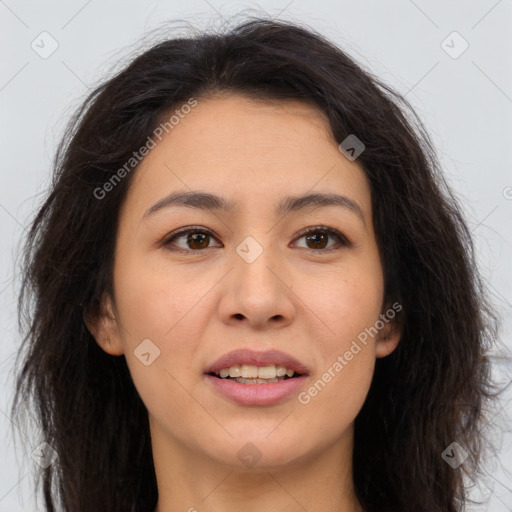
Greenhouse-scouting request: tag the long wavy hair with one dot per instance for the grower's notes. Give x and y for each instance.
(433, 390)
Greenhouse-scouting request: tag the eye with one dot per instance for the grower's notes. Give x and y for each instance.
(196, 239)
(318, 237)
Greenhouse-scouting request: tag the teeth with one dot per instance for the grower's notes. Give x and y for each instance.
(267, 372)
(280, 371)
(240, 380)
(249, 372)
(235, 371)
(254, 372)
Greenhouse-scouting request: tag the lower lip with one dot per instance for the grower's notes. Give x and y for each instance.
(257, 394)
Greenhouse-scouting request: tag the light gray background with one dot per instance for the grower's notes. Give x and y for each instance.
(466, 103)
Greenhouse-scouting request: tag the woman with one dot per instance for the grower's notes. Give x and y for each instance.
(253, 290)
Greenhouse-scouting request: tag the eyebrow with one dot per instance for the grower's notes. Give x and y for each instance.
(289, 204)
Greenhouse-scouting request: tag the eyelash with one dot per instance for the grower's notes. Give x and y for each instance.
(342, 239)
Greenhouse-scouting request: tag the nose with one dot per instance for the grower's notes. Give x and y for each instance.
(258, 293)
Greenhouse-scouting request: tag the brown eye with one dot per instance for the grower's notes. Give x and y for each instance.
(190, 240)
(197, 240)
(317, 239)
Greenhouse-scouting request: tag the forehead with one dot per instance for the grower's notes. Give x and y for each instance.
(250, 150)
(238, 122)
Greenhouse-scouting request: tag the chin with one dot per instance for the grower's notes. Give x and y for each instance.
(262, 451)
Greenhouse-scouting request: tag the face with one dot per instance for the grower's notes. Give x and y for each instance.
(195, 282)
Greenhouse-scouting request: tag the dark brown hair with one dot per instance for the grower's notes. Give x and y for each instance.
(431, 391)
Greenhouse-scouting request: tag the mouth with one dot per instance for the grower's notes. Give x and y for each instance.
(251, 374)
(256, 378)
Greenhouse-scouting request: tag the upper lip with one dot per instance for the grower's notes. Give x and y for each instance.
(253, 358)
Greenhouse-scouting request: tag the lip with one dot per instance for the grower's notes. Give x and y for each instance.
(253, 358)
(257, 394)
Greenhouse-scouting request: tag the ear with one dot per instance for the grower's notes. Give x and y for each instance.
(389, 336)
(104, 327)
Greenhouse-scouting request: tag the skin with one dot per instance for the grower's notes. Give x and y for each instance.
(197, 306)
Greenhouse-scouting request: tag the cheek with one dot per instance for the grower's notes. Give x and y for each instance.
(169, 309)
(335, 397)
(348, 300)
(153, 301)
(337, 391)
(349, 304)
(154, 316)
